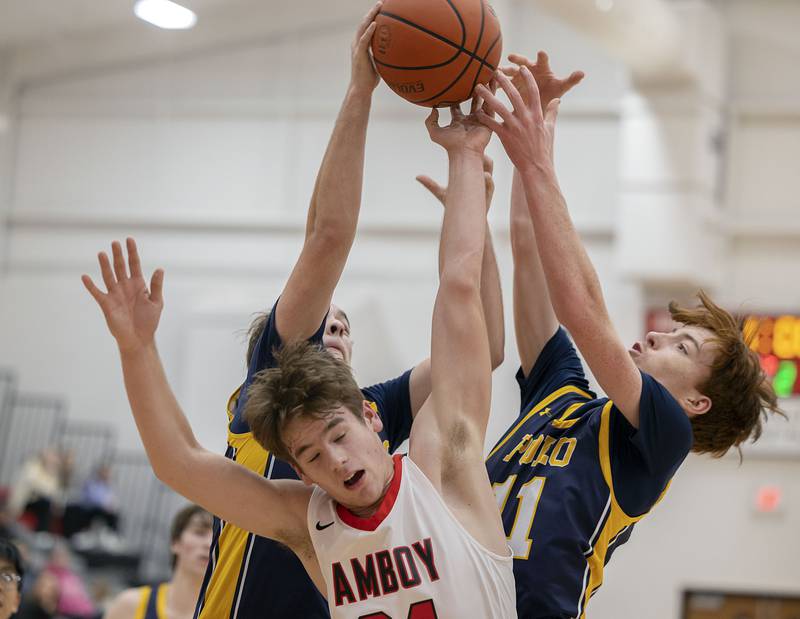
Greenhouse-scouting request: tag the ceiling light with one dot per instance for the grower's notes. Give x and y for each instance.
(165, 14)
(604, 5)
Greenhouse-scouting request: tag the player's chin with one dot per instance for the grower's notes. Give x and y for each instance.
(335, 352)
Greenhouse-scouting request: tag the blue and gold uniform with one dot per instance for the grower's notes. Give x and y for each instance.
(572, 477)
(153, 602)
(251, 577)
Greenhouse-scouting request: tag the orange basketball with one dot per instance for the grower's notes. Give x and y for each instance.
(434, 52)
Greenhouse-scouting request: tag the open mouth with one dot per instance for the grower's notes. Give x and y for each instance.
(354, 479)
(637, 347)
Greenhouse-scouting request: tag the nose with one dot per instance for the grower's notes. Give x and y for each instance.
(652, 339)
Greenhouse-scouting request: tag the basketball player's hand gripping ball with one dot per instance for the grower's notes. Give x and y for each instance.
(434, 52)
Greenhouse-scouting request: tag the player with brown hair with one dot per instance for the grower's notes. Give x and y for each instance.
(190, 539)
(575, 472)
(380, 534)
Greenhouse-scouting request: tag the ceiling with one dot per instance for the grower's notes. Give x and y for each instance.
(28, 22)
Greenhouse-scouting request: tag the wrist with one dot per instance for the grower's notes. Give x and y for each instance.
(136, 350)
(538, 173)
(463, 153)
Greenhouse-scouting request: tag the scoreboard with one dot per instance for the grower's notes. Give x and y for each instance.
(776, 339)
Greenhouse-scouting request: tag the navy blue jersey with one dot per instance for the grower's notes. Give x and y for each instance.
(572, 477)
(251, 577)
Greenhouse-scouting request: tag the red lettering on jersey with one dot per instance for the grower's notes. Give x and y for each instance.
(386, 571)
(366, 577)
(424, 550)
(406, 567)
(341, 587)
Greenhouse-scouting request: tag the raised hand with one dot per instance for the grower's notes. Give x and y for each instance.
(440, 193)
(131, 310)
(550, 86)
(362, 72)
(463, 132)
(527, 132)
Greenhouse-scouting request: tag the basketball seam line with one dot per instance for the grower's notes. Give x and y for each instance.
(472, 55)
(460, 48)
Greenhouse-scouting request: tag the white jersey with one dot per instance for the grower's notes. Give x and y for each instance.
(411, 560)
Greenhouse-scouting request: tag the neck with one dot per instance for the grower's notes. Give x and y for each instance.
(183, 591)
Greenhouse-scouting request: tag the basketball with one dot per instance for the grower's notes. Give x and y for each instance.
(434, 52)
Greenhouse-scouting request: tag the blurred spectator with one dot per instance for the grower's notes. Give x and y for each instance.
(11, 574)
(97, 506)
(41, 602)
(73, 601)
(39, 489)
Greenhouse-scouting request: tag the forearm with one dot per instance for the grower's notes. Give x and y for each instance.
(336, 200)
(462, 242)
(535, 321)
(572, 281)
(492, 302)
(165, 431)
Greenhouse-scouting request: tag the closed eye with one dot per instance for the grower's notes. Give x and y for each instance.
(683, 349)
(338, 438)
(314, 458)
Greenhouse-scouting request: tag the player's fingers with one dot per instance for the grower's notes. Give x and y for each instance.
(119, 261)
(542, 60)
(492, 105)
(489, 122)
(431, 185)
(551, 113)
(519, 59)
(535, 105)
(134, 263)
(510, 71)
(512, 92)
(105, 271)
(432, 121)
(96, 293)
(366, 38)
(456, 112)
(157, 286)
(575, 78)
(488, 164)
(368, 19)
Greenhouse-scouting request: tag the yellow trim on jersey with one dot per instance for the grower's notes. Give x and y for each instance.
(144, 597)
(617, 519)
(231, 403)
(540, 406)
(161, 601)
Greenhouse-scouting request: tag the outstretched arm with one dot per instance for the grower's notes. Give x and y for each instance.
(527, 135)
(132, 312)
(535, 321)
(447, 436)
(491, 293)
(335, 203)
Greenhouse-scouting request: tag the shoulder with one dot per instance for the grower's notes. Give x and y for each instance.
(125, 605)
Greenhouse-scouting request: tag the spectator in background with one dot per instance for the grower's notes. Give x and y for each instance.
(41, 602)
(11, 574)
(98, 498)
(73, 601)
(39, 489)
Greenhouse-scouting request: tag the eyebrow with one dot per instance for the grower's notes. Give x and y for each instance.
(343, 315)
(332, 423)
(693, 340)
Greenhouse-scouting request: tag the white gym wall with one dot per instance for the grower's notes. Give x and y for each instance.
(204, 145)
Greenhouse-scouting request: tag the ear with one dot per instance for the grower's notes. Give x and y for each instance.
(303, 477)
(371, 417)
(174, 545)
(697, 404)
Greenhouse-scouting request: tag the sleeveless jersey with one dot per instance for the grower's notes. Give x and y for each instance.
(153, 602)
(411, 559)
(572, 477)
(249, 576)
